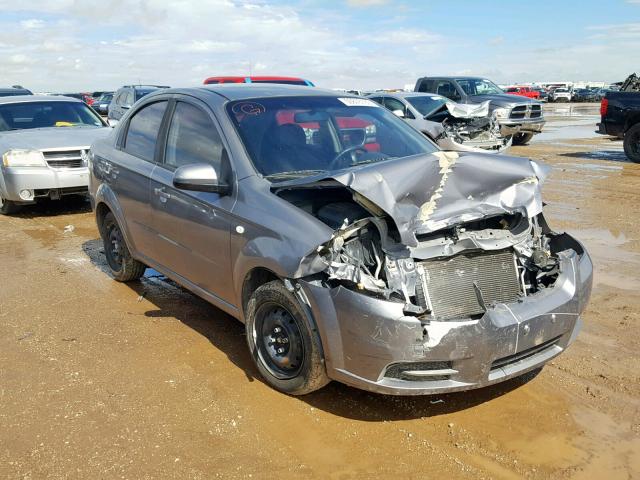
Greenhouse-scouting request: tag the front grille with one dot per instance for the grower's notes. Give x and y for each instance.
(457, 287)
(536, 111)
(530, 352)
(520, 112)
(420, 371)
(64, 158)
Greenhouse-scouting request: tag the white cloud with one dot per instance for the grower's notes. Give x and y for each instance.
(366, 3)
(32, 23)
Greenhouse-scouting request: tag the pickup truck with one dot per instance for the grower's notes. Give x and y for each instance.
(620, 117)
(523, 92)
(519, 117)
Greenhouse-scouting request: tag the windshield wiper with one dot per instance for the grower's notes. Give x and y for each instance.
(293, 173)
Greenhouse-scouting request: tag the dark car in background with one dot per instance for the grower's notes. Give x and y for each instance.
(519, 117)
(584, 95)
(14, 91)
(101, 104)
(124, 99)
(620, 117)
(403, 269)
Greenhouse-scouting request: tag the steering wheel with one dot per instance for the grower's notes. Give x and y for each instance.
(334, 164)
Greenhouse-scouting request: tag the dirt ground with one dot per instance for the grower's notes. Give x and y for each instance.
(104, 380)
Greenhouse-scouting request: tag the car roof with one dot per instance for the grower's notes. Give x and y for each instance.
(246, 91)
(37, 98)
(404, 94)
(455, 77)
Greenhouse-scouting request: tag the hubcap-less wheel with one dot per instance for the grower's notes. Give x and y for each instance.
(279, 342)
(114, 251)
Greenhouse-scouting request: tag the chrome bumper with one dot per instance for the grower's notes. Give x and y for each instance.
(366, 339)
(13, 180)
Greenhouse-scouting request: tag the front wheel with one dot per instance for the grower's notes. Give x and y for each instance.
(283, 341)
(522, 138)
(123, 266)
(632, 143)
(7, 207)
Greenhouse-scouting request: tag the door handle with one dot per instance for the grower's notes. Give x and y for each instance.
(164, 196)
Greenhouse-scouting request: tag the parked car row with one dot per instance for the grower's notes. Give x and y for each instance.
(332, 225)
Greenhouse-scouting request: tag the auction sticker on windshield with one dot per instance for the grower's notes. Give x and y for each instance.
(358, 102)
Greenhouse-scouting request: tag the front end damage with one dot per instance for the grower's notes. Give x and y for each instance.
(435, 281)
(469, 128)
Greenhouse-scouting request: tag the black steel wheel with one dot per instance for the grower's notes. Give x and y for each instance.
(123, 266)
(283, 340)
(632, 143)
(279, 341)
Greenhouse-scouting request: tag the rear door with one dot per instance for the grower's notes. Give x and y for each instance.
(129, 173)
(193, 228)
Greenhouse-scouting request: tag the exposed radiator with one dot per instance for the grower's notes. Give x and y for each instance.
(457, 287)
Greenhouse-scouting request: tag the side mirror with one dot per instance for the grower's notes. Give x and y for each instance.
(398, 113)
(199, 177)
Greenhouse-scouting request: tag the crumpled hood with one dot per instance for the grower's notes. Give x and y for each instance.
(52, 137)
(426, 193)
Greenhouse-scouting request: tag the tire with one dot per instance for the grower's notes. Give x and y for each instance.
(522, 138)
(632, 143)
(8, 207)
(283, 341)
(123, 266)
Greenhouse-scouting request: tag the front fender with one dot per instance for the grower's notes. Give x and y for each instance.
(106, 196)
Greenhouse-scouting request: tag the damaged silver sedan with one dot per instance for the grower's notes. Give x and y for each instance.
(350, 246)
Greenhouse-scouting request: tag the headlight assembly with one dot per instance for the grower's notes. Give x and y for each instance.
(23, 158)
(501, 113)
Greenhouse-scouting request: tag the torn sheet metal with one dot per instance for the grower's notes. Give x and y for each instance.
(425, 193)
(463, 110)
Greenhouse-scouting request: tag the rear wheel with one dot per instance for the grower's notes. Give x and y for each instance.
(632, 143)
(7, 207)
(283, 341)
(123, 266)
(522, 138)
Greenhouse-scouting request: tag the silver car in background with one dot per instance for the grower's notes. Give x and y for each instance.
(453, 126)
(43, 144)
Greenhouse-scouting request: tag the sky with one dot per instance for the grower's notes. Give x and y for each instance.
(86, 45)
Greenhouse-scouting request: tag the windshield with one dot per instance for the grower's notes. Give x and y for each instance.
(427, 104)
(107, 97)
(478, 86)
(289, 137)
(18, 116)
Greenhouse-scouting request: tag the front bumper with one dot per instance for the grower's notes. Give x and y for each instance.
(13, 180)
(365, 339)
(512, 126)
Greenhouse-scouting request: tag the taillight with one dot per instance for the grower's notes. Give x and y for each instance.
(604, 105)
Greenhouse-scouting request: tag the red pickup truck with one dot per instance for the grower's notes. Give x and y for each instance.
(253, 79)
(523, 92)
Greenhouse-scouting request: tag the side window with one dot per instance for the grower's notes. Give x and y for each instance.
(426, 86)
(192, 138)
(447, 89)
(129, 100)
(142, 134)
(377, 100)
(394, 104)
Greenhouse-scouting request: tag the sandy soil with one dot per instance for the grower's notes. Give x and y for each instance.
(104, 380)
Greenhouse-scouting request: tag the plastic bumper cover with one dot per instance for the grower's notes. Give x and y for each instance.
(363, 336)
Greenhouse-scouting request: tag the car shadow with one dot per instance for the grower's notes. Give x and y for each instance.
(227, 335)
(50, 208)
(608, 155)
